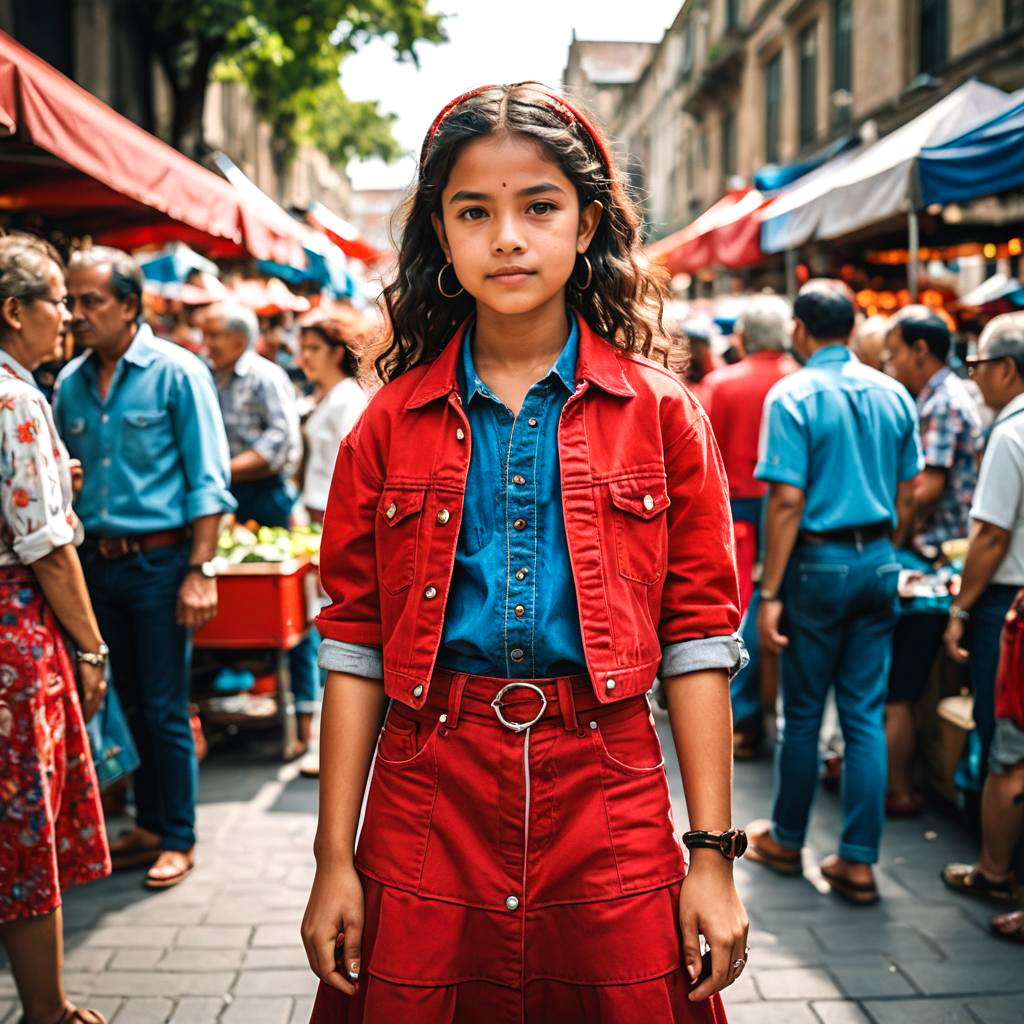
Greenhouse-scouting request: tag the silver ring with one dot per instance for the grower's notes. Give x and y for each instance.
(519, 726)
(738, 965)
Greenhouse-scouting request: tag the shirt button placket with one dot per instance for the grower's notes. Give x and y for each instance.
(522, 512)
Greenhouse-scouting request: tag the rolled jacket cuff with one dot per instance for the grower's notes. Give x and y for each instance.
(728, 652)
(199, 504)
(42, 542)
(355, 659)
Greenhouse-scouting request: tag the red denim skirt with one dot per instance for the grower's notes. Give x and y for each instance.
(519, 864)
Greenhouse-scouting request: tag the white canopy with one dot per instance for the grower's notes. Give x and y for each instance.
(876, 182)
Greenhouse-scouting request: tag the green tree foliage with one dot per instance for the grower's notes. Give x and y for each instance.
(288, 53)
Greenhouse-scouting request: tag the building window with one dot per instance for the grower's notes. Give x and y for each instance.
(842, 63)
(933, 37)
(772, 96)
(686, 61)
(808, 49)
(728, 146)
(732, 14)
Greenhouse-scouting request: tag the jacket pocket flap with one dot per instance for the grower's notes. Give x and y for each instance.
(144, 419)
(398, 505)
(639, 499)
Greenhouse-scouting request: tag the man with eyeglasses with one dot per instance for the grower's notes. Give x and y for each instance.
(992, 588)
(142, 416)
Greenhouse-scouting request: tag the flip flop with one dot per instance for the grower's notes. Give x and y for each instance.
(169, 881)
(133, 855)
(860, 894)
(789, 866)
(1016, 933)
(967, 879)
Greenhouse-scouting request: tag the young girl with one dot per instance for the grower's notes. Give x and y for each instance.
(527, 521)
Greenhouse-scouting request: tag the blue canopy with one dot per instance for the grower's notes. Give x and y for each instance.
(986, 160)
(772, 177)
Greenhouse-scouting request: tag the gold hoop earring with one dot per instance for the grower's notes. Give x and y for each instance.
(590, 275)
(440, 286)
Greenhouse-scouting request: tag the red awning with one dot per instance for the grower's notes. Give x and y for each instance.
(728, 234)
(70, 158)
(342, 234)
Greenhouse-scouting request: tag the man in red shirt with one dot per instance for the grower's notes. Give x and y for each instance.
(733, 397)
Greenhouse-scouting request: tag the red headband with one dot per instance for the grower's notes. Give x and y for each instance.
(559, 104)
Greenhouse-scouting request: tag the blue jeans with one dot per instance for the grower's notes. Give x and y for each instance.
(745, 689)
(136, 598)
(841, 607)
(270, 503)
(983, 635)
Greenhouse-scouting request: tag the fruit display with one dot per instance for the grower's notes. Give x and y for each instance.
(241, 545)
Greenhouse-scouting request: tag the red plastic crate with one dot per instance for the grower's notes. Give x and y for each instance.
(259, 605)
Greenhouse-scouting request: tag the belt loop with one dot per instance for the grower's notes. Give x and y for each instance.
(458, 684)
(566, 704)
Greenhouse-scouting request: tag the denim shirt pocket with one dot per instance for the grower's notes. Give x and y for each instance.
(143, 437)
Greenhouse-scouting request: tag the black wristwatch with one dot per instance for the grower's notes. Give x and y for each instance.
(730, 845)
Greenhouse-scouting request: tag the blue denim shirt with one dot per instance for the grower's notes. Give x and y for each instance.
(154, 452)
(843, 433)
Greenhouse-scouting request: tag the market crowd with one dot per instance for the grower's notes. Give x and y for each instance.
(111, 503)
(858, 455)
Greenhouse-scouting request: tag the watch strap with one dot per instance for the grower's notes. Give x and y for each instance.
(730, 844)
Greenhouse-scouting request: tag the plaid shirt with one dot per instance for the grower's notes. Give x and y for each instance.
(952, 440)
(257, 401)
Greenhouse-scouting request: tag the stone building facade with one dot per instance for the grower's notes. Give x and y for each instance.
(735, 85)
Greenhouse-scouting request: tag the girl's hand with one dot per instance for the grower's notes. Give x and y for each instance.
(93, 680)
(335, 908)
(710, 906)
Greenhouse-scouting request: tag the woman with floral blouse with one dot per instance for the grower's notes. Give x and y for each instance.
(51, 824)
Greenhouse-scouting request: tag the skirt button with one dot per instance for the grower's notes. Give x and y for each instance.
(512, 903)
(417, 691)
(609, 684)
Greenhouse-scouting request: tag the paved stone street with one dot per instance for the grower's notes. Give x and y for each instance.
(225, 946)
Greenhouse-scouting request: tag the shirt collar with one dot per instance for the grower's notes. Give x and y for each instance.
(934, 381)
(244, 363)
(1011, 408)
(564, 368)
(598, 363)
(16, 368)
(141, 351)
(837, 353)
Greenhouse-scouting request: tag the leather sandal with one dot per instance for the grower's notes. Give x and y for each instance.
(1015, 933)
(169, 881)
(860, 894)
(782, 864)
(968, 879)
(130, 850)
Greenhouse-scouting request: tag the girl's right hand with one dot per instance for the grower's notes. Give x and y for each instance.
(335, 908)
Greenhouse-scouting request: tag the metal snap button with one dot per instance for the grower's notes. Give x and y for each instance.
(430, 592)
(460, 434)
(417, 690)
(512, 903)
(648, 502)
(609, 684)
(443, 719)
(521, 574)
(519, 610)
(593, 724)
(517, 654)
(532, 421)
(443, 516)
(519, 524)
(517, 479)
(391, 511)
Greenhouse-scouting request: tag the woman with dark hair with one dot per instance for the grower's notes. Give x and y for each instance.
(330, 363)
(51, 823)
(529, 521)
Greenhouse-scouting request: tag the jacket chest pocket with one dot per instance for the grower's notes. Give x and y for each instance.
(144, 437)
(399, 513)
(640, 523)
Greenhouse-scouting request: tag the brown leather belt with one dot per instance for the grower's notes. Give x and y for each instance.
(119, 547)
(853, 535)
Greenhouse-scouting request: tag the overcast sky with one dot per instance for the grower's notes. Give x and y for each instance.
(489, 42)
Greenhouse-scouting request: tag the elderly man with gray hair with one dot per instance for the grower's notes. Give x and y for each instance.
(733, 398)
(141, 415)
(991, 592)
(258, 403)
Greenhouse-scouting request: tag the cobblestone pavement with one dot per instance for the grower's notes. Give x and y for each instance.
(224, 946)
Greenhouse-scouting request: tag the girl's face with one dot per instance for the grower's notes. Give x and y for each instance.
(317, 359)
(511, 224)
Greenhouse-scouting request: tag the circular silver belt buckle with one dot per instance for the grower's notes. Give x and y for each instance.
(519, 726)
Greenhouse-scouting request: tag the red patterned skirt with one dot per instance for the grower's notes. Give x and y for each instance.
(51, 823)
(519, 876)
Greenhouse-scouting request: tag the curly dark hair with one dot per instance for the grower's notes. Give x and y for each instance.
(336, 336)
(624, 299)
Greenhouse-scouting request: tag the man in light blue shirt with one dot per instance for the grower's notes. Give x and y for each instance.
(840, 450)
(142, 416)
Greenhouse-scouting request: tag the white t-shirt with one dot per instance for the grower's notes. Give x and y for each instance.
(999, 496)
(331, 419)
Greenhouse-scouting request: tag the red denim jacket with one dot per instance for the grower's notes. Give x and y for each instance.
(646, 510)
